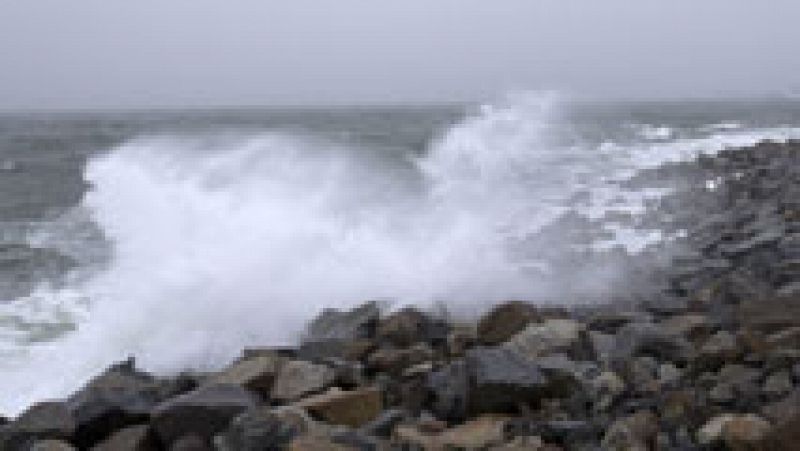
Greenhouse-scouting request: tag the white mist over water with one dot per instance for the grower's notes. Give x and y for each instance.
(220, 242)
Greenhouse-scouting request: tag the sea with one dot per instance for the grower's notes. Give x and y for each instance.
(181, 237)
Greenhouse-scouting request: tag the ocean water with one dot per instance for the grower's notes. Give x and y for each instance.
(180, 237)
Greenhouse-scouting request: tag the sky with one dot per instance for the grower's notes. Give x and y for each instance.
(193, 53)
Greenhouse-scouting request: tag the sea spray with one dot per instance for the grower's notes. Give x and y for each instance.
(218, 242)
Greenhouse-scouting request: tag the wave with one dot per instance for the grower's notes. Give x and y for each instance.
(220, 242)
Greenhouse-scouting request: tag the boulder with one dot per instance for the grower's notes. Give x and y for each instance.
(203, 412)
(501, 380)
(408, 326)
(554, 335)
(259, 429)
(340, 334)
(352, 408)
(448, 390)
(131, 438)
(120, 397)
(298, 378)
(332, 324)
(42, 421)
(255, 374)
(506, 320)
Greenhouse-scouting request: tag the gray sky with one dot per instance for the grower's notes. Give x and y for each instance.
(142, 53)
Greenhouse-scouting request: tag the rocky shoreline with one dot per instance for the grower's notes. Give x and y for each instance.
(708, 359)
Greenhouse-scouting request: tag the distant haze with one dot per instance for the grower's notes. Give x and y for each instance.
(188, 53)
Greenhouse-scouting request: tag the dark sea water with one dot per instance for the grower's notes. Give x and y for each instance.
(182, 236)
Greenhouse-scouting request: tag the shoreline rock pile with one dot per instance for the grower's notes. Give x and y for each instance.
(711, 361)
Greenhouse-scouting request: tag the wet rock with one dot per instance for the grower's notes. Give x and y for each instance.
(635, 432)
(340, 334)
(121, 396)
(408, 326)
(506, 320)
(42, 421)
(255, 374)
(552, 336)
(351, 408)
(299, 378)
(448, 391)
(204, 412)
(332, 324)
(501, 380)
(260, 429)
(131, 438)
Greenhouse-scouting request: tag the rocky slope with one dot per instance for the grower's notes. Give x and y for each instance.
(708, 359)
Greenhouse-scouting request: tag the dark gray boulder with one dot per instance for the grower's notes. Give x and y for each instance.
(258, 429)
(502, 380)
(505, 320)
(335, 333)
(448, 390)
(120, 397)
(42, 421)
(204, 412)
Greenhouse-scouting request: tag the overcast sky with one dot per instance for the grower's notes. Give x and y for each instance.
(145, 53)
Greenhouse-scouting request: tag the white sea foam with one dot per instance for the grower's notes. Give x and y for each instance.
(233, 241)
